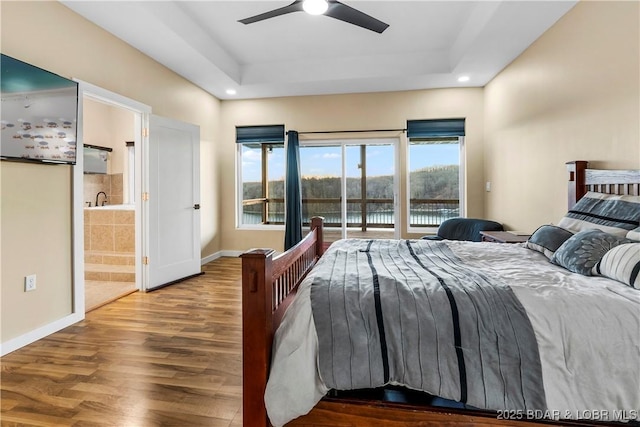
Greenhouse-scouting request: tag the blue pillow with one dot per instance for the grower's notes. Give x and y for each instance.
(547, 239)
(611, 213)
(581, 252)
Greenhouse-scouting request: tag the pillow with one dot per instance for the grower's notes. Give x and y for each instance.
(547, 239)
(608, 212)
(621, 263)
(634, 234)
(582, 251)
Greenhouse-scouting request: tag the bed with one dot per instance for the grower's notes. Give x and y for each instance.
(567, 396)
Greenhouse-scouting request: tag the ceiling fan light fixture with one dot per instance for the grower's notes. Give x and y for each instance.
(330, 8)
(315, 7)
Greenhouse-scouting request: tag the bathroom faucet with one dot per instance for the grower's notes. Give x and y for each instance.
(98, 196)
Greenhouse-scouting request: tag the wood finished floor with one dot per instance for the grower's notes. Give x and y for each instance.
(166, 358)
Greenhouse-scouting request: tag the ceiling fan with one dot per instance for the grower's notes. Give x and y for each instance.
(332, 8)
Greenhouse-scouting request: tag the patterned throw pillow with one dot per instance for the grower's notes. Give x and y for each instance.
(581, 252)
(547, 239)
(608, 212)
(621, 263)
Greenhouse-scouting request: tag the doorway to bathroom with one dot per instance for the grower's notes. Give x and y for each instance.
(152, 153)
(109, 205)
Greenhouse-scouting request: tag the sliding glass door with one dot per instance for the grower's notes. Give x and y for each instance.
(352, 184)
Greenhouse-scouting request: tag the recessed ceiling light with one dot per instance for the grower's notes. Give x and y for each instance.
(315, 7)
(231, 92)
(463, 79)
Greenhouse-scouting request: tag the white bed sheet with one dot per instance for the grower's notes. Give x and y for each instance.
(587, 328)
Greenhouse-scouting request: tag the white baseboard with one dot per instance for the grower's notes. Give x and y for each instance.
(220, 254)
(33, 336)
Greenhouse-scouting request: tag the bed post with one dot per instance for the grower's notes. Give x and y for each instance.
(577, 185)
(317, 223)
(256, 334)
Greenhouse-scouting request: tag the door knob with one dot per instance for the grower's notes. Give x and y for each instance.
(196, 206)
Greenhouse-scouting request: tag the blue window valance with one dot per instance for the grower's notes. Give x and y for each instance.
(270, 134)
(435, 128)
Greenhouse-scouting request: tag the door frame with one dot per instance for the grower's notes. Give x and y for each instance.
(343, 143)
(141, 112)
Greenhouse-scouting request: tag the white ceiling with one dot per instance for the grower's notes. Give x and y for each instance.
(428, 44)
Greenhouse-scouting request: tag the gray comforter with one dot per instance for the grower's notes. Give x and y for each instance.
(410, 313)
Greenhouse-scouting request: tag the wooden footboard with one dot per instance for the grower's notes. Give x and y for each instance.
(269, 283)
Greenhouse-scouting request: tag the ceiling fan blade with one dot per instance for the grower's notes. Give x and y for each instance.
(353, 16)
(296, 6)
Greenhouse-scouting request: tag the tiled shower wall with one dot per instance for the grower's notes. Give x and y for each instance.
(109, 230)
(112, 185)
(109, 241)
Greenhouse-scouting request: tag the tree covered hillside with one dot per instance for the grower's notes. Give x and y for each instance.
(439, 182)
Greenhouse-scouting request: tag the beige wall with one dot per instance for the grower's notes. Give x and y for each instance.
(108, 126)
(36, 229)
(71, 46)
(345, 112)
(573, 95)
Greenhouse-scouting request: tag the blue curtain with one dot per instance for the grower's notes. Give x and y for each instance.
(293, 196)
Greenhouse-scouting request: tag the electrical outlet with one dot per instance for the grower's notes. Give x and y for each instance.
(30, 283)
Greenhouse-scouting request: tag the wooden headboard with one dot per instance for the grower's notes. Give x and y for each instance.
(582, 180)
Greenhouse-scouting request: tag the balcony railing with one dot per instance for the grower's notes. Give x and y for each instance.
(361, 213)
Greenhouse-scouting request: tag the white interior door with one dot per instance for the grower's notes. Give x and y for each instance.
(173, 235)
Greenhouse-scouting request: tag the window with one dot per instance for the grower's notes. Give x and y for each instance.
(352, 184)
(435, 172)
(261, 171)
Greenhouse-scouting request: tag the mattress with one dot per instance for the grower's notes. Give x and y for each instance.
(587, 330)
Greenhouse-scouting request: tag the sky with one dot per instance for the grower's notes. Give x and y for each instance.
(326, 161)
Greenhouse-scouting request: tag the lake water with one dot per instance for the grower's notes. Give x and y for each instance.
(418, 217)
